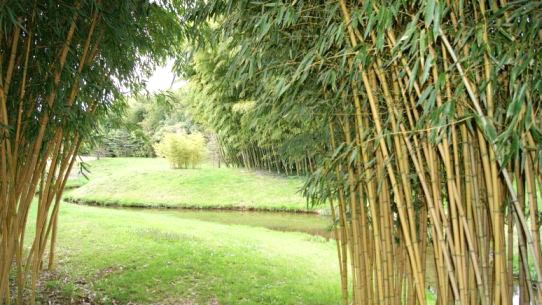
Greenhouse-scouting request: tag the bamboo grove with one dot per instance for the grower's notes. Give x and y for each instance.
(240, 141)
(62, 66)
(424, 120)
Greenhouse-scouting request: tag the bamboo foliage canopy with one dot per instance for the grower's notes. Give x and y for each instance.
(430, 135)
(63, 66)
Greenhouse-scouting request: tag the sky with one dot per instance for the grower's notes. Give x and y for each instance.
(162, 79)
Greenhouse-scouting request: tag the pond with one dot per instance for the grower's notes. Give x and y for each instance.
(292, 222)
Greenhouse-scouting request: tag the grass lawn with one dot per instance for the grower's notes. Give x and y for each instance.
(73, 183)
(146, 257)
(150, 182)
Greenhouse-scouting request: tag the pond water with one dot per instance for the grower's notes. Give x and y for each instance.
(308, 223)
(313, 224)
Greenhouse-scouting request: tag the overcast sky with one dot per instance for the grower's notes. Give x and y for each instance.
(162, 79)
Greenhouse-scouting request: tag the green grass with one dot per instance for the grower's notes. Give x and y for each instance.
(73, 183)
(160, 258)
(150, 182)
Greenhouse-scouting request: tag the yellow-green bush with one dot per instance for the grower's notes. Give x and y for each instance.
(182, 150)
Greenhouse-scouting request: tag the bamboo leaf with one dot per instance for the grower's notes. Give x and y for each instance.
(427, 67)
(413, 76)
(429, 12)
(517, 101)
(439, 11)
(423, 43)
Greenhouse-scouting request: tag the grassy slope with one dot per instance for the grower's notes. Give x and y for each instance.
(150, 182)
(159, 258)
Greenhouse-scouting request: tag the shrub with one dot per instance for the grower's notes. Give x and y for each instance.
(182, 150)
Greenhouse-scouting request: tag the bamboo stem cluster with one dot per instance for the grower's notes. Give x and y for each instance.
(439, 166)
(253, 156)
(38, 154)
(61, 69)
